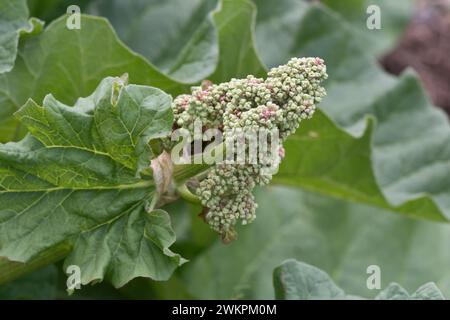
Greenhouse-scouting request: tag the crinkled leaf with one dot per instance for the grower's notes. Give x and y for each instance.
(135, 245)
(118, 129)
(294, 280)
(394, 291)
(406, 157)
(77, 178)
(70, 64)
(341, 238)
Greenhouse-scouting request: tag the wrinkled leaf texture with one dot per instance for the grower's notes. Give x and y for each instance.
(294, 280)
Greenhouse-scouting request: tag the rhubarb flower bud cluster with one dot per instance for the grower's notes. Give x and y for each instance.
(287, 96)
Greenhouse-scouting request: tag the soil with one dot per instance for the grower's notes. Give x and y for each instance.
(425, 47)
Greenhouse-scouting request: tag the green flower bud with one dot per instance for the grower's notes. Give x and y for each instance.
(281, 101)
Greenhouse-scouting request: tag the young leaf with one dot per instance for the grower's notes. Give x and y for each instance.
(79, 178)
(116, 121)
(294, 280)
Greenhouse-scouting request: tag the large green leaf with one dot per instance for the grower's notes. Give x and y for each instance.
(341, 238)
(409, 153)
(79, 179)
(193, 42)
(294, 280)
(83, 57)
(322, 158)
(181, 33)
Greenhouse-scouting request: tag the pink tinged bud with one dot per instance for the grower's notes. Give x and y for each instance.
(202, 94)
(281, 152)
(185, 103)
(267, 113)
(318, 61)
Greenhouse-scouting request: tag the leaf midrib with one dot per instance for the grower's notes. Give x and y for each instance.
(137, 185)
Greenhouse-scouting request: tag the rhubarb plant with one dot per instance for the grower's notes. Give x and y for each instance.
(88, 173)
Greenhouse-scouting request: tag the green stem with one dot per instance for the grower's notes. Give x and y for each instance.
(187, 195)
(184, 172)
